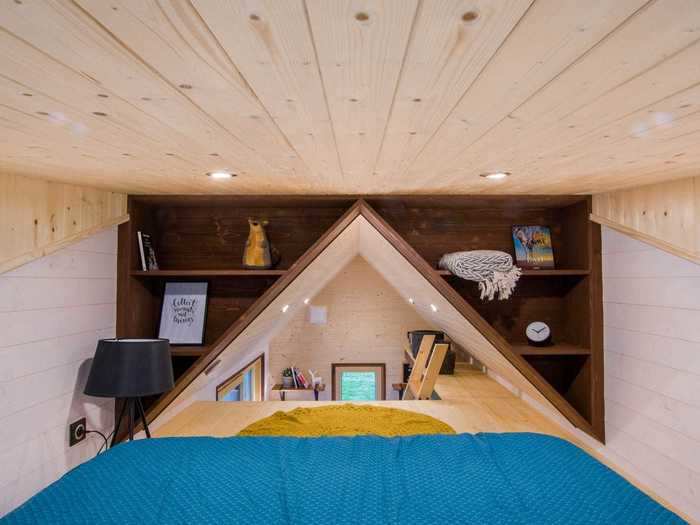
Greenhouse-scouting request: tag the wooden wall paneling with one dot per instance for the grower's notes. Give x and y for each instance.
(251, 315)
(577, 314)
(529, 61)
(229, 299)
(451, 43)
(579, 393)
(214, 237)
(664, 215)
(271, 45)
(52, 312)
(367, 322)
(360, 47)
(596, 323)
(522, 310)
(568, 375)
(137, 301)
(285, 298)
(40, 217)
(215, 228)
(260, 329)
(488, 227)
(534, 300)
(575, 250)
(652, 375)
(124, 247)
(384, 249)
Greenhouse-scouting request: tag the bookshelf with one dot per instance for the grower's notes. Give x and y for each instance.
(203, 237)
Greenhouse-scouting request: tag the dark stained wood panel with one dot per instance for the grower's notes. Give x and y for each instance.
(202, 238)
(157, 274)
(214, 237)
(435, 231)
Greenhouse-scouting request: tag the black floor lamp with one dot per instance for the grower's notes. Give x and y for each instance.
(130, 369)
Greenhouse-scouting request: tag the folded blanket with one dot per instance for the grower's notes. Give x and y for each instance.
(493, 270)
(346, 420)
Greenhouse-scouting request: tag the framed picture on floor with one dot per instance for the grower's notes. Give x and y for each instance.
(183, 315)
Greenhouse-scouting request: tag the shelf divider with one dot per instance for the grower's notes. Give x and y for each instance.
(188, 350)
(538, 273)
(524, 349)
(208, 273)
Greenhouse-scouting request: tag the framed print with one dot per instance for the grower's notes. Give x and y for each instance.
(533, 247)
(184, 313)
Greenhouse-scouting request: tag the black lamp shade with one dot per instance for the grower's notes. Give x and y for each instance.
(130, 368)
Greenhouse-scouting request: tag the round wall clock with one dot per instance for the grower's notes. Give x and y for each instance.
(538, 334)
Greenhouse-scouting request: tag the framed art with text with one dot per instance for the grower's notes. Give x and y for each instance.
(184, 313)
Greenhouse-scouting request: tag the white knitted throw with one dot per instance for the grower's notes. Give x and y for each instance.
(493, 270)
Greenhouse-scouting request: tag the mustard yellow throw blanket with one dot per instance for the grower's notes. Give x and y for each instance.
(346, 420)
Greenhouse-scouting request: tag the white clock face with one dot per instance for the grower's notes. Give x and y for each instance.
(537, 331)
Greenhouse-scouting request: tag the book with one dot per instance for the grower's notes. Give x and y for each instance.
(533, 247)
(299, 379)
(147, 252)
(302, 380)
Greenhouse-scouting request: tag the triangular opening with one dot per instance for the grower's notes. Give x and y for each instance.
(356, 318)
(361, 231)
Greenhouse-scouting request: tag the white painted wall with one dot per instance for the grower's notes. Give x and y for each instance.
(52, 312)
(652, 367)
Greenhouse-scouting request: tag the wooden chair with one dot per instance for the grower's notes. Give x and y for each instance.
(426, 367)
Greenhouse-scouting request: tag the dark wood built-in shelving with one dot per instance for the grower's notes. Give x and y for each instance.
(208, 273)
(536, 273)
(202, 237)
(188, 350)
(555, 349)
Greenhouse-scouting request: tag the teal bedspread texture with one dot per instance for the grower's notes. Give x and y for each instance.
(517, 478)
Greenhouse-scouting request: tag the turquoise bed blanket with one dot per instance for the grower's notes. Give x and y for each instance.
(460, 479)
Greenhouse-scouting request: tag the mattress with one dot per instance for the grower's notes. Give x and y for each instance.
(517, 478)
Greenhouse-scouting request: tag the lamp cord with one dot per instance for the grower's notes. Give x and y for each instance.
(106, 440)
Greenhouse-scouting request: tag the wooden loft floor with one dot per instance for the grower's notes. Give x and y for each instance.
(470, 401)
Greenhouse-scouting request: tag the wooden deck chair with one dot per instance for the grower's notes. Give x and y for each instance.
(426, 368)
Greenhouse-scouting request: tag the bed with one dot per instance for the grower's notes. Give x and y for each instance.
(512, 478)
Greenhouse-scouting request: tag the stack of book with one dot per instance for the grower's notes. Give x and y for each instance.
(299, 379)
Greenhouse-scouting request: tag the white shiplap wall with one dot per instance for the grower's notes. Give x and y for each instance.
(52, 312)
(652, 367)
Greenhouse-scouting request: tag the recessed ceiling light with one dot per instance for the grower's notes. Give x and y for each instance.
(285, 308)
(410, 300)
(307, 300)
(496, 175)
(221, 174)
(433, 307)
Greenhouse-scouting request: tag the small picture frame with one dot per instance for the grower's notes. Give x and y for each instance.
(533, 247)
(183, 315)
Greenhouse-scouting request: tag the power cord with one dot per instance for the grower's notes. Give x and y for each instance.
(106, 440)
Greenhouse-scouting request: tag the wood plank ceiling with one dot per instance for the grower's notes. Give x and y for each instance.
(350, 96)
